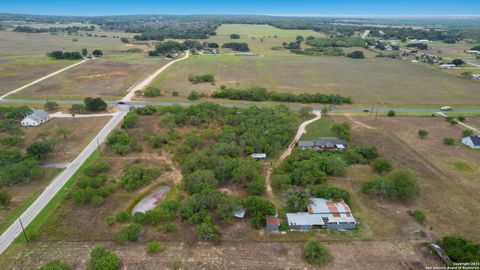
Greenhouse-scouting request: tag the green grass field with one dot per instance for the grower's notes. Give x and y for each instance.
(319, 128)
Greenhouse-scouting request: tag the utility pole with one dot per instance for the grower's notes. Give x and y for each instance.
(376, 115)
(23, 229)
(371, 111)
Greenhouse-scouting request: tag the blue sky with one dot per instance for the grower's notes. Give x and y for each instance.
(298, 7)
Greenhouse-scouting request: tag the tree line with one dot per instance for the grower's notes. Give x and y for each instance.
(261, 94)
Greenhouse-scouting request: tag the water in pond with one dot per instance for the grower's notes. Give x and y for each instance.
(152, 200)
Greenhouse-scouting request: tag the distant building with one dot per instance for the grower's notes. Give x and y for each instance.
(475, 76)
(273, 224)
(322, 213)
(324, 144)
(472, 52)
(259, 156)
(447, 66)
(472, 141)
(35, 118)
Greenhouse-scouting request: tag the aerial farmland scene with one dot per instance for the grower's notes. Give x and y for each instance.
(249, 135)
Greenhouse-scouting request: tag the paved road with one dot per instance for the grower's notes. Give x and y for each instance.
(69, 115)
(184, 104)
(41, 79)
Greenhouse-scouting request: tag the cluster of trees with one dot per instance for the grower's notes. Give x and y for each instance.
(93, 186)
(356, 55)
(151, 91)
(65, 55)
(337, 42)
(320, 51)
(399, 184)
(202, 79)
(94, 104)
(447, 35)
(122, 143)
(261, 94)
(420, 46)
(171, 29)
(237, 46)
(136, 176)
(235, 36)
(168, 47)
(68, 29)
(461, 250)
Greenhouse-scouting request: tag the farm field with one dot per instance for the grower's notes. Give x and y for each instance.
(109, 77)
(448, 177)
(24, 56)
(367, 81)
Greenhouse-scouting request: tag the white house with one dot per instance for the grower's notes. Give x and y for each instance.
(447, 66)
(472, 141)
(259, 156)
(35, 118)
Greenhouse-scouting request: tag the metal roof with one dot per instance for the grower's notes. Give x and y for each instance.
(329, 142)
(272, 220)
(37, 115)
(240, 212)
(306, 144)
(304, 219)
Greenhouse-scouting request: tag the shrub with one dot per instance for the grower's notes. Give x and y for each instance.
(122, 216)
(129, 234)
(56, 265)
(208, 232)
(202, 79)
(334, 193)
(314, 252)
(356, 55)
(40, 150)
(397, 185)
(96, 168)
(461, 118)
(12, 141)
(175, 93)
(5, 197)
(194, 95)
(422, 133)
(103, 259)
(234, 36)
(459, 249)
(391, 113)
(97, 200)
(256, 187)
(381, 165)
(158, 140)
(136, 176)
(94, 104)
(281, 181)
(170, 227)
(448, 140)
(121, 142)
(467, 132)
(155, 246)
(130, 120)
(50, 105)
(418, 215)
(341, 130)
(152, 92)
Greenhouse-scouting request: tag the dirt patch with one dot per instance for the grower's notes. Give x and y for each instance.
(104, 75)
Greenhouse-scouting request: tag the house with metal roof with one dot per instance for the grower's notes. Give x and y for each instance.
(324, 144)
(35, 118)
(472, 141)
(322, 213)
(259, 156)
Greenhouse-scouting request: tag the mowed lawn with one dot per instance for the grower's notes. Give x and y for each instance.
(371, 80)
(109, 77)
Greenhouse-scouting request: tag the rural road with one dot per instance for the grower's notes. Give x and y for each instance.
(54, 187)
(69, 115)
(150, 78)
(301, 130)
(41, 79)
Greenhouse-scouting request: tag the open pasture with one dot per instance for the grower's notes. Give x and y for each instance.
(109, 77)
(447, 174)
(371, 80)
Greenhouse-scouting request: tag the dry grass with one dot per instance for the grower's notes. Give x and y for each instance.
(108, 78)
(449, 196)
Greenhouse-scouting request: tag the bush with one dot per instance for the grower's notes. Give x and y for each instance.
(202, 79)
(237, 46)
(152, 92)
(170, 227)
(381, 165)
(467, 132)
(50, 105)
(56, 265)
(158, 140)
(5, 197)
(356, 55)
(94, 104)
(12, 141)
(175, 93)
(281, 181)
(155, 246)
(97, 200)
(461, 118)
(341, 130)
(391, 113)
(334, 193)
(96, 168)
(122, 216)
(235, 36)
(422, 133)
(314, 252)
(208, 232)
(129, 234)
(136, 176)
(103, 259)
(194, 95)
(40, 150)
(448, 141)
(418, 215)
(130, 120)
(121, 142)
